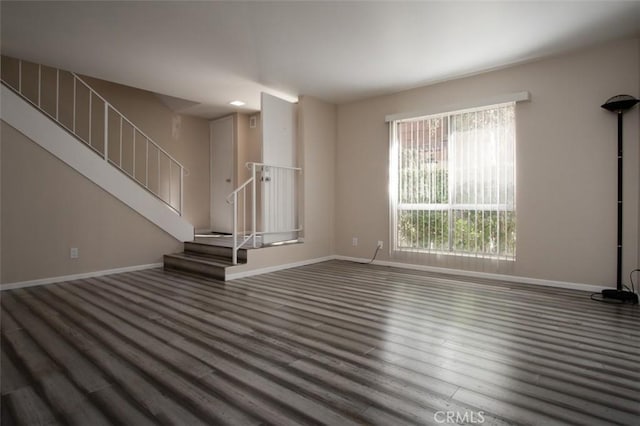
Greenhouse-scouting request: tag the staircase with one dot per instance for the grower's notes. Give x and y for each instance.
(46, 105)
(203, 257)
(59, 111)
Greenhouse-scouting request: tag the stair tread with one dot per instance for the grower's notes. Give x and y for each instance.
(200, 243)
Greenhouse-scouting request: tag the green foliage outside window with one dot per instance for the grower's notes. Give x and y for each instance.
(485, 232)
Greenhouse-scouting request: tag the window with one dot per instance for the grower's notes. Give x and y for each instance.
(453, 182)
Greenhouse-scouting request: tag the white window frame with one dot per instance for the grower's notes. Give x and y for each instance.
(394, 171)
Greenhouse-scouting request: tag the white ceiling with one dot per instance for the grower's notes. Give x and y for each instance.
(210, 53)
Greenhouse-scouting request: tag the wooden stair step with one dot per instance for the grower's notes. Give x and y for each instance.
(209, 266)
(200, 248)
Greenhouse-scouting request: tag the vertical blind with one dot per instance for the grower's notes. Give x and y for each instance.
(453, 182)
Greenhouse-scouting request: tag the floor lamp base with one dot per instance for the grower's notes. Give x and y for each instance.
(624, 296)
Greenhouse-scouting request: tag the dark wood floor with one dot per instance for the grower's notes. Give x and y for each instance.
(332, 343)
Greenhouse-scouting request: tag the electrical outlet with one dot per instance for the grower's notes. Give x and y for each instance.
(73, 253)
(380, 244)
(354, 241)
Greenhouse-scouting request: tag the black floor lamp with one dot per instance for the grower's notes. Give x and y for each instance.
(620, 104)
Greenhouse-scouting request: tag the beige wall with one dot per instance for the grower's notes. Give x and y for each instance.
(47, 208)
(316, 153)
(317, 130)
(566, 165)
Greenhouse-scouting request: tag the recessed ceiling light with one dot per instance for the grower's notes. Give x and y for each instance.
(237, 103)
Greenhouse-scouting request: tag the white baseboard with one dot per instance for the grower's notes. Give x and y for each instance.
(266, 270)
(52, 280)
(502, 277)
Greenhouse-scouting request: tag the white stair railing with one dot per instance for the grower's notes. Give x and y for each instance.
(282, 200)
(241, 236)
(73, 104)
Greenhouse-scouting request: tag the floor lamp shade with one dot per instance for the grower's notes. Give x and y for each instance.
(620, 103)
